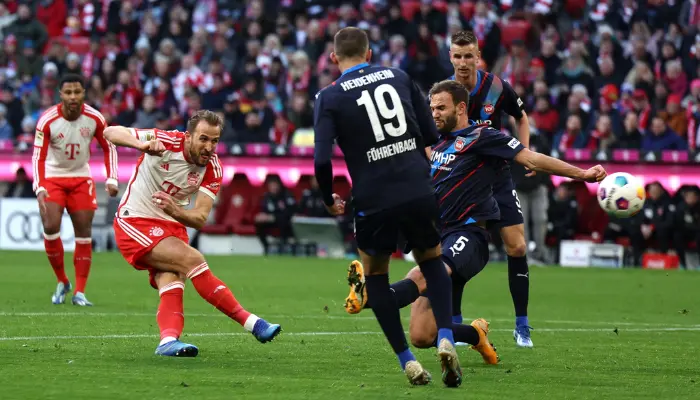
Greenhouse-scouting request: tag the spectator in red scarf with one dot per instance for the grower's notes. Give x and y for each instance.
(573, 137)
(546, 118)
(674, 115)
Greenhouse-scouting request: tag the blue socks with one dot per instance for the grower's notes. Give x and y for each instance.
(404, 357)
(521, 321)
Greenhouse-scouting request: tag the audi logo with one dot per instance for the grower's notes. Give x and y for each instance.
(26, 227)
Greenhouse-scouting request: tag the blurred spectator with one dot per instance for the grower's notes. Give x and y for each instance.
(573, 137)
(686, 224)
(311, 203)
(27, 29)
(661, 137)
(6, 131)
(275, 216)
(561, 216)
(674, 115)
(654, 222)
(630, 138)
(21, 187)
(533, 192)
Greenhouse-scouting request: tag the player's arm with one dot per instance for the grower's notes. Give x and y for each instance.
(140, 139)
(324, 136)
(42, 140)
(542, 163)
(495, 143)
(196, 217)
(514, 106)
(110, 156)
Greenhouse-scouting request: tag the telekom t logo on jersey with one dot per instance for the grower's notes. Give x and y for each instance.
(72, 150)
(170, 188)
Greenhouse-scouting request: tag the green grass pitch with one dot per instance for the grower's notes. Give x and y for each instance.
(599, 334)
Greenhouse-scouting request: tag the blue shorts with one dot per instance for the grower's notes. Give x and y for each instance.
(508, 202)
(466, 251)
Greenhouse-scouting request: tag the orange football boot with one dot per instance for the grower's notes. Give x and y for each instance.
(485, 348)
(357, 298)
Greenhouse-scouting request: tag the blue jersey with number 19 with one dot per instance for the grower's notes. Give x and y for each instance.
(379, 118)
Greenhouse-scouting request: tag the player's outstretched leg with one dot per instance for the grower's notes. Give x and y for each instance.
(387, 314)
(518, 281)
(173, 255)
(439, 292)
(171, 318)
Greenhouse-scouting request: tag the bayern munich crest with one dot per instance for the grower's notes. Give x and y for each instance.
(85, 132)
(459, 143)
(192, 178)
(488, 108)
(156, 231)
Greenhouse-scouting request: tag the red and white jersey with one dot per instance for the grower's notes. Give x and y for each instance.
(62, 147)
(171, 173)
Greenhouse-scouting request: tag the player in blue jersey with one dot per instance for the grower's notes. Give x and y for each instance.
(489, 98)
(465, 162)
(380, 120)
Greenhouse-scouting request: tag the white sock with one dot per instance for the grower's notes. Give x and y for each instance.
(167, 339)
(250, 322)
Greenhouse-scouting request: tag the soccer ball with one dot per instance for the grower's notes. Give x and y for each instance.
(621, 195)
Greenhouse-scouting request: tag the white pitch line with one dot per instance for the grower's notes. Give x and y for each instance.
(223, 334)
(341, 317)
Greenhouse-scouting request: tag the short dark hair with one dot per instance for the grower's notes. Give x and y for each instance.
(459, 93)
(71, 78)
(207, 116)
(350, 42)
(464, 38)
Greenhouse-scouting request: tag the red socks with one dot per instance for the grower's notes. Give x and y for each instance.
(54, 251)
(216, 293)
(82, 259)
(170, 317)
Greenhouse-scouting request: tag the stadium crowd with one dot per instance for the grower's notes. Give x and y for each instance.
(594, 74)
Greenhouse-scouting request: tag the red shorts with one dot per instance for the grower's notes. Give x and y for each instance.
(137, 236)
(74, 194)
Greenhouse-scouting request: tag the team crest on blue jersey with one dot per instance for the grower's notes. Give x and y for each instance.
(460, 142)
(488, 109)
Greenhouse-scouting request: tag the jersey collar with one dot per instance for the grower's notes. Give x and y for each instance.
(478, 81)
(355, 68)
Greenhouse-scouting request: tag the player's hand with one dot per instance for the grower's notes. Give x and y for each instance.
(338, 207)
(164, 201)
(595, 174)
(153, 147)
(529, 172)
(112, 190)
(41, 198)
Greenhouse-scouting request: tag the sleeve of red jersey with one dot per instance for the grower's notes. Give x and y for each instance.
(170, 139)
(213, 176)
(42, 140)
(108, 148)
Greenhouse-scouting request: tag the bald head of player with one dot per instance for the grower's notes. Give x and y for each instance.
(71, 89)
(203, 133)
(464, 56)
(449, 101)
(350, 48)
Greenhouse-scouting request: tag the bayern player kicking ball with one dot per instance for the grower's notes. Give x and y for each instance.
(62, 180)
(150, 225)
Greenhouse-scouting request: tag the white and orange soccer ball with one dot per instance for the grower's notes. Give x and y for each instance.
(621, 194)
